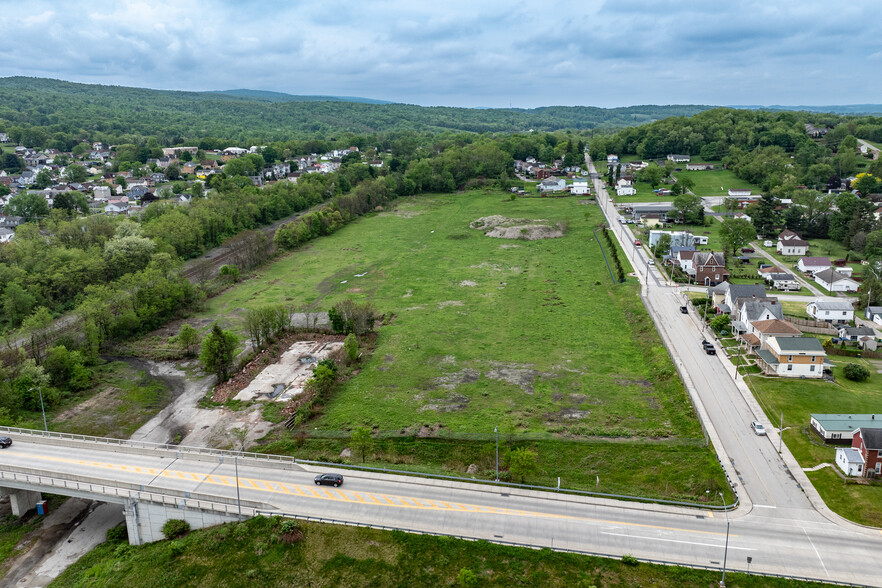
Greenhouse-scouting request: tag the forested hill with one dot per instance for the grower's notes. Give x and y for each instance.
(266, 96)
(120, 114)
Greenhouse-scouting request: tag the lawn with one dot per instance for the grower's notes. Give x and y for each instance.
(798, 399)
(532, 337)
(708, 183)
(261, 552)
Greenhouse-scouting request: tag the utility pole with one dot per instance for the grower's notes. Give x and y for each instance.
(496, 430)
(42, 407)
(726, 552)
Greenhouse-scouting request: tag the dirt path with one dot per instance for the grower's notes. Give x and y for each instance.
(79, 525)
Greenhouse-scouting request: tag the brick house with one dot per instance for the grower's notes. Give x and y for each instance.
(869, 442)
(710, 268)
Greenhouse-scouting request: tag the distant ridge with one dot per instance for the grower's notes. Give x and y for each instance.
(268, 96)
(839, 109)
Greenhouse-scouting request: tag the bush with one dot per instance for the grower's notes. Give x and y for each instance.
(175, 548)
(629, 560)
(117, 534)
(857, 372)
(466, 577)
(174, 528)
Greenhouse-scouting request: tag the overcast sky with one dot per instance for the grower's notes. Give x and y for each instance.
(492, 53)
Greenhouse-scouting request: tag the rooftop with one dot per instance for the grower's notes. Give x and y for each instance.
(847, 422)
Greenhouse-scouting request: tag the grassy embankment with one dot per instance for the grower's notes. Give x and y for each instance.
(798, 399)
(529, 336)
(259, 553)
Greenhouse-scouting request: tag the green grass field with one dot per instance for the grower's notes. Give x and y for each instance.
(529, 336)
(259, 553)
(798, 399)
(708, 183)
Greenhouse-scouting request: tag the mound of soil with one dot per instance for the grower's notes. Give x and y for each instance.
(501, 227)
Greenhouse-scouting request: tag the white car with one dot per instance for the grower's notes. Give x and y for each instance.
(758, 428)
(651, 262)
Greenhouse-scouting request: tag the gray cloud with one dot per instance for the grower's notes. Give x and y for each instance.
(488, 53)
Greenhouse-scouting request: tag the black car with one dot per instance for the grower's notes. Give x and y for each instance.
(708, 347)
(329, 480)
(684, 309)
(5, 442)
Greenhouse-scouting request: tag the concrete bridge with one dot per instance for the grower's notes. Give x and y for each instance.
(147, 507)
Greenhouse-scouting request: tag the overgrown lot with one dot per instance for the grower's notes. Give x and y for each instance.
(260, 552)
(532, 337)
(708, 183)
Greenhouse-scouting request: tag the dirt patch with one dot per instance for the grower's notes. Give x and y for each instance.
(521, 376)
(501, 227)
(407, 294)
(447, 303)
(468, 284)
(451, 381)
(624, 382)
(508, 246)
(451, 403)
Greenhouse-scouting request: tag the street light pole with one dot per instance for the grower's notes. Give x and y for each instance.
(42, 407)
(496, 430)
(238, 499)
(726, 552)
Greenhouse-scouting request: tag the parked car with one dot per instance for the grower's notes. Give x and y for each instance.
(746, 250)
(5, 442)
(758, 428)
(651, 262)
(636, 243)
(329, 480)
(708, 347)
(684, 309)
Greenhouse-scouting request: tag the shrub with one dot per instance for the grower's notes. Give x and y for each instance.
(629, 560)
(174, 528)
(175, 549)
(856, 372)
(466, 578)
(117, 534)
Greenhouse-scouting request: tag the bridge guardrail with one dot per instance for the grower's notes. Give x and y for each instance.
(150, 448)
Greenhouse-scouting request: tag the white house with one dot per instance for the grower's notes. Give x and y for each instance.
(792, 357)
(552, 185)
(874, 313)
(626, 191)
(782, 281)
(835, 282)
(735, 193)
(831, 311)
(813, 264)
(850, 461)
(676, 158)
(580, 187)
(699, 166)
(840, 428)
(6, 235)
(790, 243)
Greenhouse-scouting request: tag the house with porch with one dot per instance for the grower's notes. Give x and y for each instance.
(580, 188)
(759, 332)
(552, 185)
(782, 281)
(792, 357)
(831, 311)
(725, 295)
(710, 267)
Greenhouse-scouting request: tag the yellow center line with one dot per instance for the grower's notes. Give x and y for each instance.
(378, 499)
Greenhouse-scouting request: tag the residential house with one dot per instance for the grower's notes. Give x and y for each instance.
(868, 441)
(117, 206)
(782, 281)
(847, 333)
(189, 167)
(683, 258)
(678, 238)
(710, 268)
(835, 282)
(831, 311)
(790, 243)
(612, 159)
(4, 138)
(810, 265)
(156, 178)
(678, 158)
(874, 313)
(815, 132)
(742, 216)
(671, 258)
(850, 461)
(376, 163)
(6, 235)
(761, 331)
(699, 166)
(725, 295)
(840, 428)
(552, 185)
(101, 193)
(637, 165)
(580, 188)
(626, 191)
(792, 357)
(749, 310)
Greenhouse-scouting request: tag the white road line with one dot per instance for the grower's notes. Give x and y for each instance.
(764, 506)
(676, 541)
(816, 551)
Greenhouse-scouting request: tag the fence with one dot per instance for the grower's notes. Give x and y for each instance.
(854, 352)
(810, 326)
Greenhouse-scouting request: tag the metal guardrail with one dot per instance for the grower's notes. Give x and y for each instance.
(324, 520)
(175, 498)
(147, 446)
(528, 486)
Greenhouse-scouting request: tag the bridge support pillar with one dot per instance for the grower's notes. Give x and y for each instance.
(144, 520)
(21, 501)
